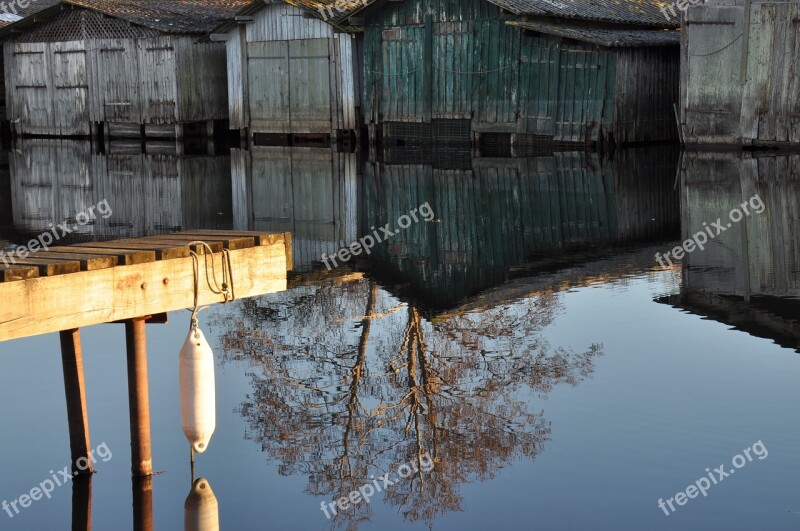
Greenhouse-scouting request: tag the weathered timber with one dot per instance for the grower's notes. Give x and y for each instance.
(50, 267)
(54, 303)
(124, 256)
(162, 251)
(88, 261)
(16, 272)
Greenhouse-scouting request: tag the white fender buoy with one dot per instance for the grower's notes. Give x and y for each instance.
(201, 509)
(198, 395)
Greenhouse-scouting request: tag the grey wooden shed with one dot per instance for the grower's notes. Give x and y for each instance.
(290, 71)
(134, 66)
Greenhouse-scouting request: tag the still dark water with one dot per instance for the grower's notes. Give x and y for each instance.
(525, 338)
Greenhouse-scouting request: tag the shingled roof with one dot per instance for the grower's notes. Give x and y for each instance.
(168, 16)
(636, 12)
(611, 38)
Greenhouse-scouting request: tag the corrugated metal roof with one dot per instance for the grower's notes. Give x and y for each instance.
(605, 37)
(168, 16)
(639, 12)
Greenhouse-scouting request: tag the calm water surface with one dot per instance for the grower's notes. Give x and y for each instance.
(525, 338)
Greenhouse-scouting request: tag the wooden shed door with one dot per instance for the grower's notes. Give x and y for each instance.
(117, 93)
(402, 84)
(70, 88)
(31, 102)
(310, 85)
(290, 86)
(268, 84)
(539, 85)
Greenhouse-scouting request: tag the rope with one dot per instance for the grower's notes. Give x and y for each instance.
(718, 51)
(226, 289)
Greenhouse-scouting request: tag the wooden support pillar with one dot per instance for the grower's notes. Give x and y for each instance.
(143, 504)
(138, 397)
(82, 503)
(75, 389)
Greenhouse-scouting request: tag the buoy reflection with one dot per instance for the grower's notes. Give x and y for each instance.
(201, 510)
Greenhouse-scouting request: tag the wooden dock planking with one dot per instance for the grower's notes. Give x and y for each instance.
(88, 261)
(229, 241)
(49, 267)
(124, 256)
(15, 272)
(175, 239)
(259, 238)
(163, 251)
(84, 298)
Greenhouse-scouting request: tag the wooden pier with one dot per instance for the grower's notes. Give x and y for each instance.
(134, 282)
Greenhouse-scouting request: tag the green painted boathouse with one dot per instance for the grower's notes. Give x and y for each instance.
(575, 71)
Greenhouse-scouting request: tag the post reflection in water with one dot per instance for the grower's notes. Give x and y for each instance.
(142, 503)
(82, 502)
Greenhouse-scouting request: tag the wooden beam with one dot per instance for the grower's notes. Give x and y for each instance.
(12, 273)
(75, 390)
(124, 256)
(51, 304)
(138, 397)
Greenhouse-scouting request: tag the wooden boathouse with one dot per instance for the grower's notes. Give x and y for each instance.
(290, 73)
(740, 79)
(117, 68)
(575, 71)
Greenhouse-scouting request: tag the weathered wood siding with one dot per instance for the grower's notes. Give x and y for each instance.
(448, 60)
(740, 77)
(62, 88)
(291, 74)
(53, 180)
(647, 87)
(311, 193)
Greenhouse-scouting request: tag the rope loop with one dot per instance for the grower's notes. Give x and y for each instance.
(226, 289)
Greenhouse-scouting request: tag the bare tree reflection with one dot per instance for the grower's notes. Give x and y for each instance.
(348, 384)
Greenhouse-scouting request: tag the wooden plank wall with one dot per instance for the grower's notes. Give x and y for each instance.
(646, 88)
(61, 88)
(740, 81)
(309, 192)
(446, 60)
